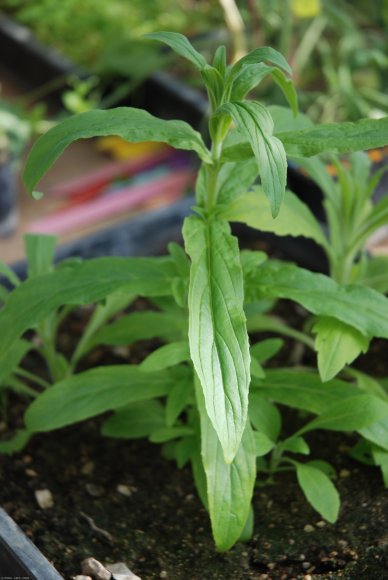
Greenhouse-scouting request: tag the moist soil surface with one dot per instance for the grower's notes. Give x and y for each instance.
(123, 501)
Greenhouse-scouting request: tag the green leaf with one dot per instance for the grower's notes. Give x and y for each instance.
(380, 458)
(247, 79)
(217, 331)
(360, 307)
(375, 274)
(351, 414)
(294, 218)
(319, 491)
(264, 416)
(170, 433)
(337, 344)
(263, 54)
(180, 45)
(303, 390)
(178, 398)
(9, 274)
(140, 326)
(377, 432)
(336, 137)
(85, 283)
(229, 485)
(40, 253)
(287, 87)
(166, 356)
(234, 179)
(266, 349)
(135, 421)
(16, 444)
(257, 370)
(296, 445)
(11, 359)
(93, 392)
(134, 125)
(184, 450)
(262, 443)
(214, 84)
(285, 120)
(255, 122)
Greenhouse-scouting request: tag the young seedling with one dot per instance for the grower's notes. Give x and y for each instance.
(195, 394)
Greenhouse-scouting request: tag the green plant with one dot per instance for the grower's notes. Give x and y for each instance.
(205, 394)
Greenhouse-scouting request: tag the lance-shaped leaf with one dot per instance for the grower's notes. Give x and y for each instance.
(336, 137)
(337, 344)
(180, 45)
(257, 125)
(87, 282)
(128, 123)
(263, 54)
(360, 307)
(229, 485)
(217, 328)
(93, 392)
(294, 219)
(319, 490)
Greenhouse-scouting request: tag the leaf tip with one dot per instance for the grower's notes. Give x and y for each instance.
(37, 195)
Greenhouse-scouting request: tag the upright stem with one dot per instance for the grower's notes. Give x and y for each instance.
(236, 27)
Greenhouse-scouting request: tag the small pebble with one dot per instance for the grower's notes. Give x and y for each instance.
(95, 569)
(31, 473)
(120, 571)
(82, 577)
(3, 427)
(344, 473)
(320, 524)
(87, 468)
(306, 565)
(44, 497)
(94, 490)
(309, 528)
(124, 490)
(163, 574)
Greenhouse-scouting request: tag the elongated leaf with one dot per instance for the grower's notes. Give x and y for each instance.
(166, 356)
(377, 432)
(135, 421)
(264, 416)
(140, 326)
(336, 138)
(217, 330)
(263, 443)
(178, 398)
(380, 458)
(319, 491)
(266, 349)
(338, 344)
(9, 274)
(17, 443)
(180, 45)
(247, 79)
(85, 283)
(12, 359)
(363, 308)
(375, 274)
(296, 445)
(131, 124)
(234, 179)
(93, 392)
(350, 415)
(257, 125)
(303, 390)
(287, 87)
(40, 253)
(263, 54)
(229, 485)
(294, 219)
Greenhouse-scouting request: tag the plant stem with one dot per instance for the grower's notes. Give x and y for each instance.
(32, 377)
(236, 27)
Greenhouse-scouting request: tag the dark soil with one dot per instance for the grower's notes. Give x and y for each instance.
(160, 529)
